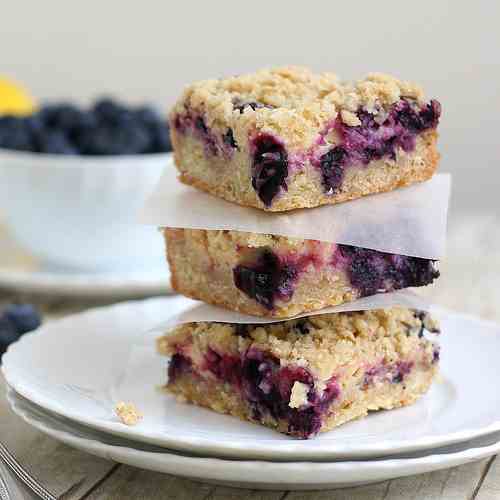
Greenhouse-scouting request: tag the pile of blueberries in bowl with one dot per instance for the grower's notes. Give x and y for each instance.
(73, 181)
(106, 128)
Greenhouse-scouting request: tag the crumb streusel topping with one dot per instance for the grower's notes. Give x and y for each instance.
(293, 98)
(128, 413)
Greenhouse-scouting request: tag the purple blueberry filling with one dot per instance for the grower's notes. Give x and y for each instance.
(267, 387)
(435, 355)
(373, 139)
(270, 167)
(395, 372)
(376, 137)
(213, 144)
(178, 366)
(270, 277)
(373, 272)
(266, 279)
(224, 367)
(332, 168)
(402, 369)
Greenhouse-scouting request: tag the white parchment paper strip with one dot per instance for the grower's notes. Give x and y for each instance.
(409, 221)
(194, 311)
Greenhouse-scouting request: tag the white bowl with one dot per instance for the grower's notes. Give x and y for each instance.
(80, 213)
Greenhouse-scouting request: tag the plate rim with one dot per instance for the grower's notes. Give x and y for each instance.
(331, 471)
(81, 284)
(198, 444)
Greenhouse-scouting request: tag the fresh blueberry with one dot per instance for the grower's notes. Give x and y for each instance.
(157, 127)
(112, 112)
(16, 320)
(115, 140)
(270, 167)
(24, 317)
(147, 115)
(14, 134)
(160, 138)
(55, 142)
(8, 334)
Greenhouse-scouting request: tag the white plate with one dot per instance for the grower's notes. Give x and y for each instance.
(82, 365)
(250, 474)
(23, 273)
(92, 285)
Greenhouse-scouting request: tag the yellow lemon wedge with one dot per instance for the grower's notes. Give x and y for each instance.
(14, 99)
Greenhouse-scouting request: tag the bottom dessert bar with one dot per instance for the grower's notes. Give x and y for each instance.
(307, 375)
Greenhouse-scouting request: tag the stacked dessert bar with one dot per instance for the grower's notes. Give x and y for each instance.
(280, 140)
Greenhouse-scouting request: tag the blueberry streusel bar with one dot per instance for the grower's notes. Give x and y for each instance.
(280, 277)
(305, 376)
(289, 138)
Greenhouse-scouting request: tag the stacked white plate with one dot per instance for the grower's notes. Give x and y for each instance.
(66, 378)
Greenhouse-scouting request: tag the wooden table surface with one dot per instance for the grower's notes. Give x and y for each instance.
(469, 283)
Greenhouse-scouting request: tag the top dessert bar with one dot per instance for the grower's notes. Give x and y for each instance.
(288, 138)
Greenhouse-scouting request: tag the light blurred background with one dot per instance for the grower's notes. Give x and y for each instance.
(149, 50)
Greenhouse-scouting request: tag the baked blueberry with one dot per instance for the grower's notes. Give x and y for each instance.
(332, 168)
(265, 279)
(270, 167)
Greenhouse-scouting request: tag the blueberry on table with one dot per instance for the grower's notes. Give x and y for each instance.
(16, 320)
(8, 334)
(25, 317)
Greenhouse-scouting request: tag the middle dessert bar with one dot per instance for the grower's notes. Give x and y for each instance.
(276, 276)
